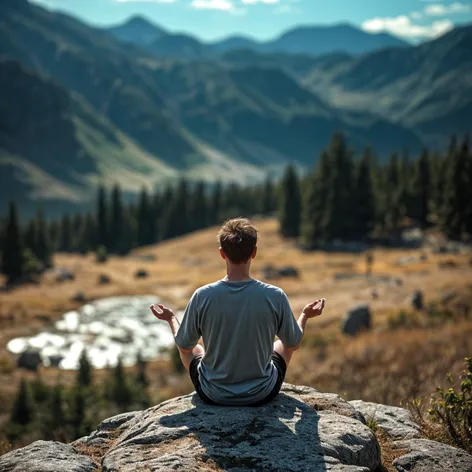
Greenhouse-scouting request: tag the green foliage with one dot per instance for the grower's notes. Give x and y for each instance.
(101, 255)
(453, 408)
(84, 374)
(12, 252)
(290, 205)
(22, 412)
(102, 217)
(121, 392)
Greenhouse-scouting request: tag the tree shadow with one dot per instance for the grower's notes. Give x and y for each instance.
(280, 436)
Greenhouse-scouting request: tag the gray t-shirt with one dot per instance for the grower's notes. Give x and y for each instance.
(238, 322)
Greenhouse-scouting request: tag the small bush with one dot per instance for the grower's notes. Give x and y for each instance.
(453, 409)
(31, 265)
(403, 319)
(101, 255)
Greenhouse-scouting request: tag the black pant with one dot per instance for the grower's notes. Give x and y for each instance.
(279, 364)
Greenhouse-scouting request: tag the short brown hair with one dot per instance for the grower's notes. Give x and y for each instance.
(238, 238)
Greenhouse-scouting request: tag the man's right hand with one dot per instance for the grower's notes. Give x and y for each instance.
(161, 312)
(314, 309)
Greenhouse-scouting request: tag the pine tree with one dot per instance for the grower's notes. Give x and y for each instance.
(364, 197)
(141, 378)
(393, 211)
(121, 393)
(78, 413)
(314, 207)
(43, 247)
(12, 256)
(422, 189)
(117, 222)
(65, 244)
(290, 205)
(144, 218)
(30, 236)
(216, 204)
(268, 204)
(53, 234)
(84, 374)
(55, 418)
(175, 220)
(102, 218)
(457, 210)
(22, 411)
(198, 211)
(339, 221)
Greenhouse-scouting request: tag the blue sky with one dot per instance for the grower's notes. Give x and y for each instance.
(263, 19)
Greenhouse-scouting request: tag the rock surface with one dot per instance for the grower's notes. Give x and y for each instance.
(302, 430)
(430, 456)
(45, 456)
(395, 421)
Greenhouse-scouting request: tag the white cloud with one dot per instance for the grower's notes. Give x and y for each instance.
(225, 5)
(439, 9)
(252, 2)
(403, 26)
(416, 15)
(146, 1)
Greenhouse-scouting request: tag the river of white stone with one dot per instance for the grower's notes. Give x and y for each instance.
(108, 329)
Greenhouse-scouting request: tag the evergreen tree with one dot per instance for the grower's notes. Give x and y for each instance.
(84, 374)
(55, 418)
(30, 236)
(268, 204)
(65, 244)
(22, 411)
(12, 255)
(78, 413)
(102, 218)
(141, 378)
(144, 219)
(456, 211)
(339, 221)
(121, 393)
(198, 212)
(43, 247)
(117, 245)
(175, 220)
(422, 189)
(155, 216)
(290, 205)
(393, 186)
(364, 197)
(216, 204)
(313, 214)
(53, 234)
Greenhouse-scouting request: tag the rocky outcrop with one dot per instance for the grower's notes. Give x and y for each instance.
(46, 456)
(301, 430)
(397, 422)
(415, 454)
(430, 456)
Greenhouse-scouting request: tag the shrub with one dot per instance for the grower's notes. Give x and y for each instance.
(453, 408)
(101, 255)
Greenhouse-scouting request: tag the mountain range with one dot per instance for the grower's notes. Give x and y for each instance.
(314, 40)
(130, 115)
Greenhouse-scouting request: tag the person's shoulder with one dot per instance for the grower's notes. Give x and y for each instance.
(209, 288)
(270, 289)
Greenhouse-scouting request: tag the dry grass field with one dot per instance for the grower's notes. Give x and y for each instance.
(384, 365)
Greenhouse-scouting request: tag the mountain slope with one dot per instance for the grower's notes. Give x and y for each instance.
(137, 30)
(427, 88)
(54, 147)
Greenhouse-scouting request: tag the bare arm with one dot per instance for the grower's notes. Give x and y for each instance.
(310, 311)
(163, 313)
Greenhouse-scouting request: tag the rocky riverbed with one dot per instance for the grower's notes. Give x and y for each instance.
(108, 329)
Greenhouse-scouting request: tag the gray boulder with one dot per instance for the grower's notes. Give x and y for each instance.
(302, 430)
(357, 319)
(417, 301)
(46, 456)
(430, 456)
(29, 359)
(397, 422)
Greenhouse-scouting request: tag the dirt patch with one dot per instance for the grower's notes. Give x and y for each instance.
(388, 451)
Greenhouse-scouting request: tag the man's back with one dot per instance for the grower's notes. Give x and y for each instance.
(238, 322)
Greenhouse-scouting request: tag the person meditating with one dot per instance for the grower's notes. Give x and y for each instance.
(238, 318)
